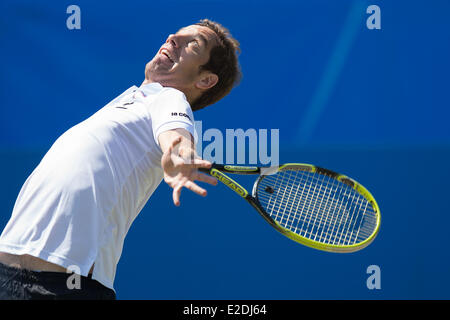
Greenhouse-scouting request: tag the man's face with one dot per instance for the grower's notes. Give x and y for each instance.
(178, 60)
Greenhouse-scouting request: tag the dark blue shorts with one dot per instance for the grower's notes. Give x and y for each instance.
(22, 284)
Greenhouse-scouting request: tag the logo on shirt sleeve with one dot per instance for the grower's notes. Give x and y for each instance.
(181, 114)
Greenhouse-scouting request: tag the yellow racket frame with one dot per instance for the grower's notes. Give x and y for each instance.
(329, 247)
(252, 199)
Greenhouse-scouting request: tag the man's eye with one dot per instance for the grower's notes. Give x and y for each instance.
(195, 42)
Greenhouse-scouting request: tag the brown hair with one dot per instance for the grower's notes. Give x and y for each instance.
(223, 61)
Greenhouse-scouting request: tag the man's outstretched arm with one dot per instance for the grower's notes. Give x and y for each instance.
(180, 163)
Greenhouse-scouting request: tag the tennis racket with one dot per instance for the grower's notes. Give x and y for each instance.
(314, 206)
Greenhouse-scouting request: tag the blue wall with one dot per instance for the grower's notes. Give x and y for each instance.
(372, 104)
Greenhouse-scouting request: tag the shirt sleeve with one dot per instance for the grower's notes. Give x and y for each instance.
(172, 111)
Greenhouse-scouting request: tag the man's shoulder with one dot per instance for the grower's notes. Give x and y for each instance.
(173, 97)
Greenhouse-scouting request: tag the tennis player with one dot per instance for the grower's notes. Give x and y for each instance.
(75, 209)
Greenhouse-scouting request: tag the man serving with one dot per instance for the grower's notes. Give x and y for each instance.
(77, 206)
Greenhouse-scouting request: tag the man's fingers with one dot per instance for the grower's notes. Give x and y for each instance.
(195, 188)
(198, 163)
(176, 195)
(189, 185)
(205, 178)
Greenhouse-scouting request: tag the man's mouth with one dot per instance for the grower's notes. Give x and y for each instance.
(167, 54)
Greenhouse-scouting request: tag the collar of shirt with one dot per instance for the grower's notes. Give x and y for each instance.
(150, 88)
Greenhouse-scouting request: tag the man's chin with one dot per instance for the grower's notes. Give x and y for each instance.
(154, 72)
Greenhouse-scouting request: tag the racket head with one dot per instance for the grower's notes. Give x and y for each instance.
(318, 207)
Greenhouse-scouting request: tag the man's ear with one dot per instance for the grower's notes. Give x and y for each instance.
(207, 81)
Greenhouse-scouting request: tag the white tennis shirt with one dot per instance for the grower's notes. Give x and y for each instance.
(78, 204)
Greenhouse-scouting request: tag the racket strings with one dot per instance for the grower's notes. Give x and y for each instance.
(317, 207)
(304, 198)
(322, 232)
(307, 218)
(318, 229)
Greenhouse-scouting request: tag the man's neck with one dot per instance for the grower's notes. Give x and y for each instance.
(189, 98)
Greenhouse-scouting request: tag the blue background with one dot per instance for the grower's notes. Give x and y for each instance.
(372, 104)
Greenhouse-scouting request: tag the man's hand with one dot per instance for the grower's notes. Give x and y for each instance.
(180, 164)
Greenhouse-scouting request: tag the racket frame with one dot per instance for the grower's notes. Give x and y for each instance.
(218, 171)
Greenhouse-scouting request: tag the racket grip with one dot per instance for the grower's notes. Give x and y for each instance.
(232, 169)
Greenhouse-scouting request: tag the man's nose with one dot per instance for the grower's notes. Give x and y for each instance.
(173, 40)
